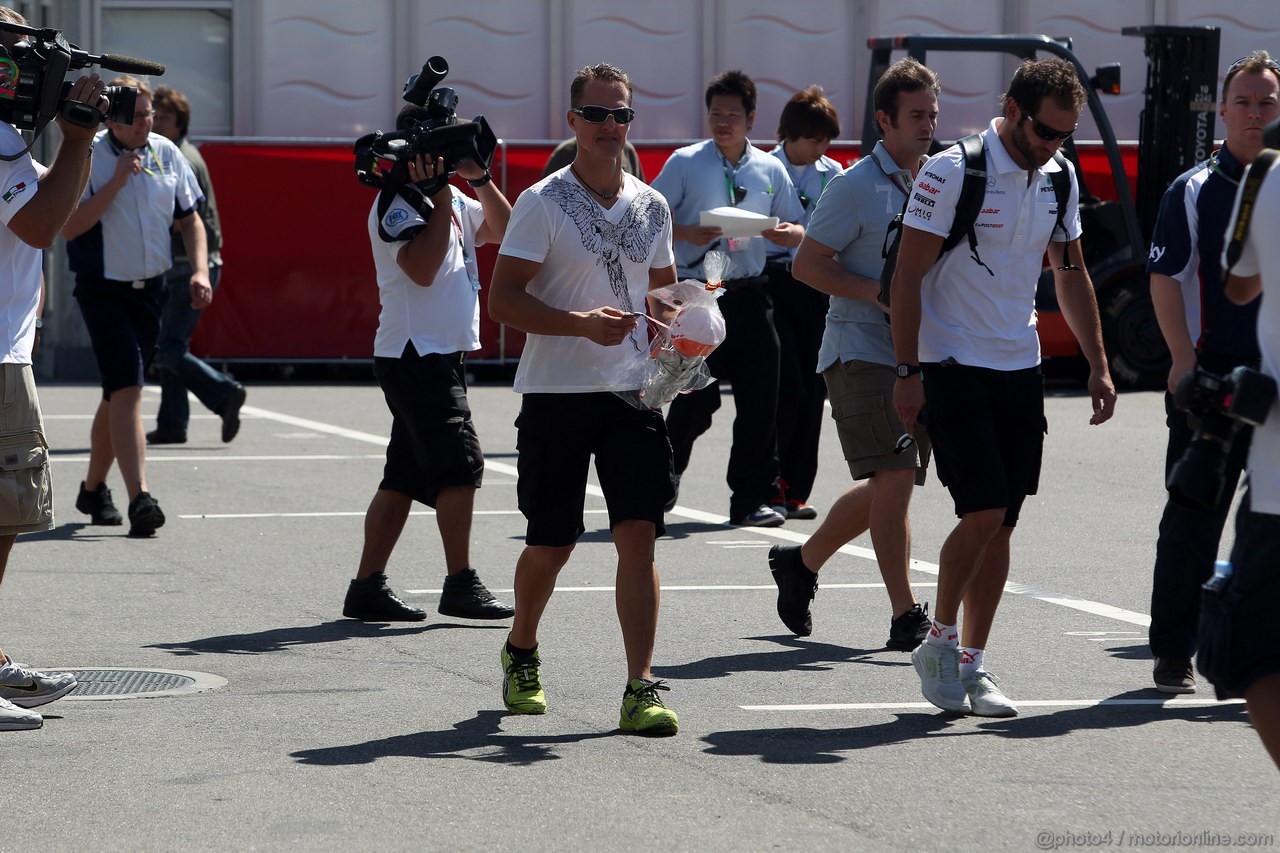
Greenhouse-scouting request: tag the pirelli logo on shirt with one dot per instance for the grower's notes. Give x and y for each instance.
(14, 191)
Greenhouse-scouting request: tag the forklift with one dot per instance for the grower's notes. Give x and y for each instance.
(1177, 132)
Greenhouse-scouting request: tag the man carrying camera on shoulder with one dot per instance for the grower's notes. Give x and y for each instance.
(1253, 663)
(34, 204)
(429, 286)
(1202, 329)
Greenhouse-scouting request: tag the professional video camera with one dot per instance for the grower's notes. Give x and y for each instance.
(1223, 404)
(382, 159)
(33, 89)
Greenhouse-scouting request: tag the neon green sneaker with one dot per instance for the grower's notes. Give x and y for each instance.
(644, 713)
(522, 688)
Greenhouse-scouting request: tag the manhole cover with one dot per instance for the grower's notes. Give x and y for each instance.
(131, 683)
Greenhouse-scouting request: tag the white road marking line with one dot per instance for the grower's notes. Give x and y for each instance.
(704, 588)
(1106, 611)
(1045, 703)
(160, 456)
(353, 513)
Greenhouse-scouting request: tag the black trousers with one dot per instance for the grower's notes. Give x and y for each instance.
(1188, 541)
(748, 361)
(800, 318)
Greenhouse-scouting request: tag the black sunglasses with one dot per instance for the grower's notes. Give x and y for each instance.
(1048, 134)
(805, 201)
(598, 115)
(739, 193)
(1235, 66)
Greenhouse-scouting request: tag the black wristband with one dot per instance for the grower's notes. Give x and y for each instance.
(488, 177)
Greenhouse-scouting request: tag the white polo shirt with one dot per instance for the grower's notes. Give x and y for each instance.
(19, 262)
(968, 314)
(445, 317)
(132, 241)
(1262, 255)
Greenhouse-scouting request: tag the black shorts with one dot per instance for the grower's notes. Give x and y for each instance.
(1255, 589)
(433, 442)
(558, 434)
(987, 428)
(123, 323)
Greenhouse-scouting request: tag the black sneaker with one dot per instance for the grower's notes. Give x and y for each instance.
(98, 506)
(371, 600)
(466, 597)
(145, 517)
(166, 436)
(1174, 675)
(231, 413)
(909, 630)
(796, 588)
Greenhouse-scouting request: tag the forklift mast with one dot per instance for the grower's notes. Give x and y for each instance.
(1177, 127)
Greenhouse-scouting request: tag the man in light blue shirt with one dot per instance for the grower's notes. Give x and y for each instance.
(842, 256)
(727, 171)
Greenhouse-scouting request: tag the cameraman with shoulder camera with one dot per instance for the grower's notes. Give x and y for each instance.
(34, 205)
(429, 285)
(1254, 658)
(1203, 330)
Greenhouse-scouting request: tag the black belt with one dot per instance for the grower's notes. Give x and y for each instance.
(745, 283)
(136, 284)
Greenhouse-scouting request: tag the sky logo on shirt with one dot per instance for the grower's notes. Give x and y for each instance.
(14, 191)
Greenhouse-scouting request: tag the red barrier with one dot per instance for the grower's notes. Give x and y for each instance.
(299, 281)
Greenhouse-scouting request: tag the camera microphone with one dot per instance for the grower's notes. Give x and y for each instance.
(129, 65)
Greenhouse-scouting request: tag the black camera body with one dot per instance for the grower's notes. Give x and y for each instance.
(1223, 404)
(33, 89)
(382, 159)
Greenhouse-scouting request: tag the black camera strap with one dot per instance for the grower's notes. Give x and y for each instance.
(1248, 198)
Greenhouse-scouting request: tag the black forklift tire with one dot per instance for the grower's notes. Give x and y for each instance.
(1135, 347)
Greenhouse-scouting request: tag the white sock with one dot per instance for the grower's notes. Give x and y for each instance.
(970, 661)
(943, 635)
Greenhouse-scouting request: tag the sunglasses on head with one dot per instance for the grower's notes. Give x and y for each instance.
(1235, 66)
(598, 115)
(1042, 130)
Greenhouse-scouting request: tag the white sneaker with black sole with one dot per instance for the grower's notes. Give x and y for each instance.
(29, 688)
(13, 718)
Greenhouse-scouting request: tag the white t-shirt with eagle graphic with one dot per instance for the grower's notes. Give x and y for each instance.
(591, 257)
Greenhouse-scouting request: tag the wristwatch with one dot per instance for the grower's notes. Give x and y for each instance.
(479, 182)
(905, 370)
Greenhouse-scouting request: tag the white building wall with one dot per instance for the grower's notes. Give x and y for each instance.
(334, 68)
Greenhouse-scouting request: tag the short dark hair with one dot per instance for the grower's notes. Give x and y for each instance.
(905, 75)
(733, 83)
(1257, 62)
(602, 71)
(1036, 80)
(175, 102)
(808, 115)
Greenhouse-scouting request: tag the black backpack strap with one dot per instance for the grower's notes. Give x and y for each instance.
(972, 193)
(1249, 189)
(1061, 181)
(889, 251)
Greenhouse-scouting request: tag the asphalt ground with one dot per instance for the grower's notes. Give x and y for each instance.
(331, 734)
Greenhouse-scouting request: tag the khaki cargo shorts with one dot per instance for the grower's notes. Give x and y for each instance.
(26, 492)
(861, 395)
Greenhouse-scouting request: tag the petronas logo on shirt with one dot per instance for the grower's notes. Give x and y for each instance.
(13, 192)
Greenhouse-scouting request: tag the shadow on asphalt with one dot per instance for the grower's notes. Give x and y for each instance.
(1135, 652)
(481, 736)
(806, 745)
(795, 655)
(279, 639)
